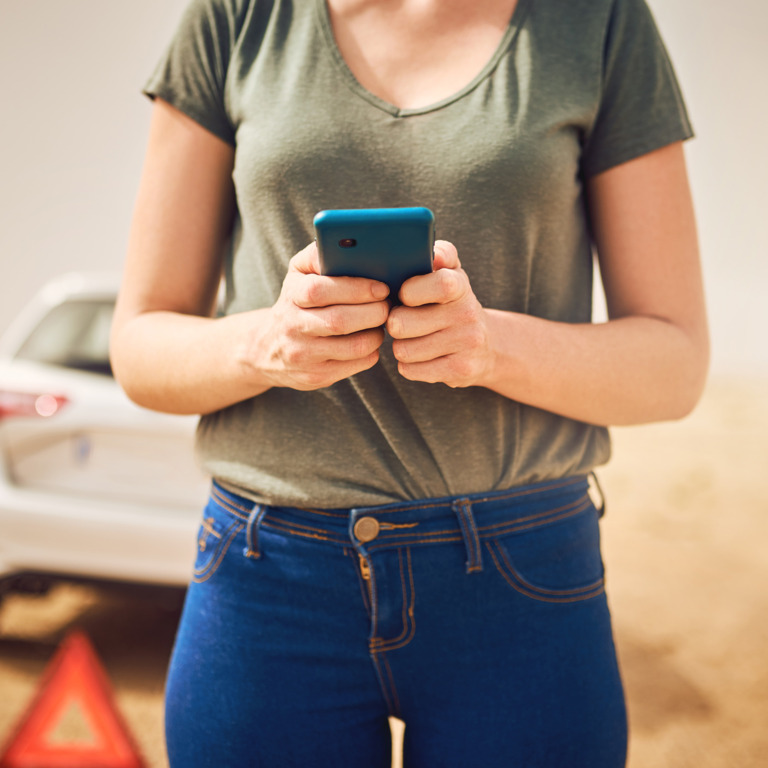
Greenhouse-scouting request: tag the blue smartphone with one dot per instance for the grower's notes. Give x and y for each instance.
(387, 244)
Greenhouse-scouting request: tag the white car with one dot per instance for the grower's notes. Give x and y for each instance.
(91, 485)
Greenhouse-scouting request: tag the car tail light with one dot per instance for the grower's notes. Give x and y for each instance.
(30, 404)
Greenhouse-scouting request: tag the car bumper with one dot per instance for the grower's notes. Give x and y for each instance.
(43, 533)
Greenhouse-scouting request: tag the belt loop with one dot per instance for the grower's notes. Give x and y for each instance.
(252, 531)
(463, 510)
(594, 487)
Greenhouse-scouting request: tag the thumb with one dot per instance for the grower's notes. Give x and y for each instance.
(306, 261)
(446, 256)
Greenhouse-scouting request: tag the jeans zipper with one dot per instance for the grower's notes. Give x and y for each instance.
(365, 569)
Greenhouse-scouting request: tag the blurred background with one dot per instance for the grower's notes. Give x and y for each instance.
(688, 503)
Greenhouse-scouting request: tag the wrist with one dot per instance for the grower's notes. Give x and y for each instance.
(251, 354)
(499, 330)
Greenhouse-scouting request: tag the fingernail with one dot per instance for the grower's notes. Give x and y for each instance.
(380, 291)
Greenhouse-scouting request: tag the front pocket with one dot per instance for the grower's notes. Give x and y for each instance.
(213, 541)
(557, 562)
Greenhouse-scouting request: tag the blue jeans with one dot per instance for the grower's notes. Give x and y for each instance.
(481, 622)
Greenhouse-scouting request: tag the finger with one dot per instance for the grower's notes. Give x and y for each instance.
(452, 370)
(306, 261)
(432, 347)
(330, 372)
(440, 287)
(446, 256)
(430, 372)
(344, 369)
(342, 320)
(420, 350)
(301, 359)
(324, 291)
(355, 346)
(411, 322)
(314, 291)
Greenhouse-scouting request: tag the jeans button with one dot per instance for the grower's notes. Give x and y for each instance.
(366, 529)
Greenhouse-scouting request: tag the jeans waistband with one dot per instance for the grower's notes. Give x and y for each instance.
(471, 517)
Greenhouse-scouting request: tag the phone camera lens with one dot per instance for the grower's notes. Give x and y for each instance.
(347, 242)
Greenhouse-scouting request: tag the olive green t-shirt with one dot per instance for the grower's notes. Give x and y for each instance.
(574, 88)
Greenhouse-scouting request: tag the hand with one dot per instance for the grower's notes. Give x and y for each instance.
(321, 329)
(440, 332)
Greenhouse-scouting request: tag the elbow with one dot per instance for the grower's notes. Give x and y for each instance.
(124, 370)
(688, 379)
(674, 383)
(683, 404)
(115, 359)
(121, 371)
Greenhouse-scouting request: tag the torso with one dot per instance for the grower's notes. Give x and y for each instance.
(485, 135)
(412, 53)
(486, 117)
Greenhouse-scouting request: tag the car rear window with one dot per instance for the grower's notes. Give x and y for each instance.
(73, 335)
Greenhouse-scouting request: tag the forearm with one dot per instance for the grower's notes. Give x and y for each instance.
(631, 370)
(319, 331)
(186, 364)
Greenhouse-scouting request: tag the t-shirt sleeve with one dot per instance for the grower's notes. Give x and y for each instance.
(192, 73)
(641, 105)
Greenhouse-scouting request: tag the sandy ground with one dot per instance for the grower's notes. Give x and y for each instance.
(685, 540)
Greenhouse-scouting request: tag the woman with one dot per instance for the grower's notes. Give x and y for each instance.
(399, 523)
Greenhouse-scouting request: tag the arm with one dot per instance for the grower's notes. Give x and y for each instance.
(647, 363)
(167, 351)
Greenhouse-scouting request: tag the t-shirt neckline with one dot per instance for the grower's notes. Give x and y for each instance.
(515, 23)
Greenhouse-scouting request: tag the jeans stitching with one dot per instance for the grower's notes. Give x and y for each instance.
(288, 528)
(324, 512)
(383, 683)
(230, 506)
(466, 519)
(381, 642)
(410, 599)
(477, 564)
(537, 593)
(552, 516)
(543, 590)
(498, 529)
(206, 572)
(207, 530)
(274, 520)
(252, 532)
(242, 512)
(395, 526)
(425, 539)
(381, 662)
(392, 686)
(436, 537)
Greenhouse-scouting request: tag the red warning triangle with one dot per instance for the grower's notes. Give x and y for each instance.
(73, 685)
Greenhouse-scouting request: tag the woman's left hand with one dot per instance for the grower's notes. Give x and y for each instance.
(440, 331)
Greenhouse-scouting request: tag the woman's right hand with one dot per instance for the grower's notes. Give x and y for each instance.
(319, 331)
(168, 352)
